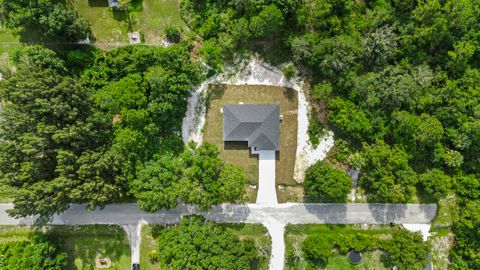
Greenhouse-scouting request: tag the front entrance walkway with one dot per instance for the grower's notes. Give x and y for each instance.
(266, 178)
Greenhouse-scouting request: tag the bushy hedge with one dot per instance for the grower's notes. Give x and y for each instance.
(404, 249)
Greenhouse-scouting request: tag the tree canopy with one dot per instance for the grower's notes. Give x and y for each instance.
(326, 183)
(35, 254)
(199, 244)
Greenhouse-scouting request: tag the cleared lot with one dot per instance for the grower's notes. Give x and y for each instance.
(239, 153)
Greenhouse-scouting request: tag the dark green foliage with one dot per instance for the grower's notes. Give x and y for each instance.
(315, 131)
(46, 20)
(199, 244)
(172, 32)
(386, 174)
(197, 176)
(322, 91)
(69, 140)
(289, 71)
(49, 139)
(407, 250)
(436, 183)
(268, 21)
(350, 119)
(36, 254)
(38, 56)
(317, 247)
(326, 183)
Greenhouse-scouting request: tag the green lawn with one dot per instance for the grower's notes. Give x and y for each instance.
(85, 244)
(148, 16)
(255, 232)
(15, 233)
(372, 260)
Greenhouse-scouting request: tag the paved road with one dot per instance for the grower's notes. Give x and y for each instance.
(273, 216)
(355, 213)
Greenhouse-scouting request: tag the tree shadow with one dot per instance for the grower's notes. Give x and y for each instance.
(289, 93)
(120, 15)
(98, 3)
(388, 213)
(332, 213)
(136, 5)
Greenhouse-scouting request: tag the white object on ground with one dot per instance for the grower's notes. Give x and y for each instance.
(134, 236)
(255, 72)
(276, 231)
(266, 178)
(424, 229)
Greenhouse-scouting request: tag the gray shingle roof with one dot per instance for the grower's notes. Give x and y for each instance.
(258, 124)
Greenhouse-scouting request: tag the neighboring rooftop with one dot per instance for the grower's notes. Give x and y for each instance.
(258, 124)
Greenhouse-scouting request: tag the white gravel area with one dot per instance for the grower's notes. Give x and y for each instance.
(255, 72)
(424, 229)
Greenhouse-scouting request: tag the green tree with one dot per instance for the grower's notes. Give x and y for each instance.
(172, 32)
(127, 93)
(205, 178)
(386, 174)
(347, 117)
(49, 127)
(268, 21)
(199, 244)
(326, 183)
(407, 250)
(156, 185)
(317, 248)
(36, 254)
(380, 46)
(436, 183)
(51, 20)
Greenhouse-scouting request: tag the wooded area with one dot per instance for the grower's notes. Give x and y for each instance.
(398, 81)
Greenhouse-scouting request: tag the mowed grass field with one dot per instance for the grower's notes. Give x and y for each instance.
(149, 17)
(238, 153)
(85, 244)
(255, 232)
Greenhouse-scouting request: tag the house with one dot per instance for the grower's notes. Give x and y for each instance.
(259, 126)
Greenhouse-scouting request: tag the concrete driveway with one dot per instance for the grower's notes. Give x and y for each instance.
(266, 178)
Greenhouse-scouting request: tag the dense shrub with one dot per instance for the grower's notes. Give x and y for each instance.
(36, 254)
(326, 183)
(199, 244)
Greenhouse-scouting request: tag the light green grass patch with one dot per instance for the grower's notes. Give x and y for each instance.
(148, 17)
(15, 233)
(8, 40)
(85, 244)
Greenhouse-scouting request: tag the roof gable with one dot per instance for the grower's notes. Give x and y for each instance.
(256, 123)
